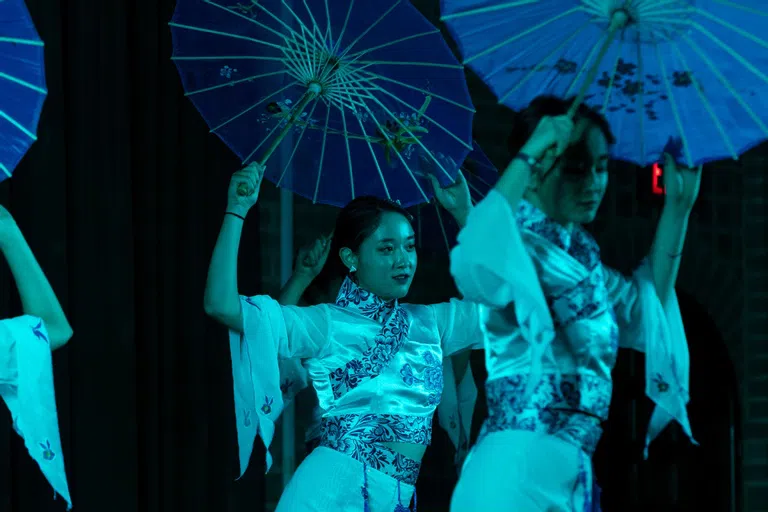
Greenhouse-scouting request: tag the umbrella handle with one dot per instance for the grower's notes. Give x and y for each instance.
(243, 190)
(619, 20)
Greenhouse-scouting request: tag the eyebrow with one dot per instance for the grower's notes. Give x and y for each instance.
(390, 240)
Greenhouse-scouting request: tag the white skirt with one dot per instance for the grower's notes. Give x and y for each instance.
(329, 481)
(521, 471)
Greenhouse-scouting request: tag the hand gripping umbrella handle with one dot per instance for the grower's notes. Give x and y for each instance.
(244, 190)
(313, 89)
(619, 20)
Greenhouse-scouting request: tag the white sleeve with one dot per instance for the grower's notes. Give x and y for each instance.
(647, 326)
(265, 358)
(26, 386)
(458, 322)
(457, 406)
(491, 266)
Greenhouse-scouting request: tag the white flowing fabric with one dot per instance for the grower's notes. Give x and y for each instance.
(493, 266)
(26, 385)
(276, 338)
(331, 481)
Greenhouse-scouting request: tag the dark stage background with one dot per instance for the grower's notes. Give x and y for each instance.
(121, 199)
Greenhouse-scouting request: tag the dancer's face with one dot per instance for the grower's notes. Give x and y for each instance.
(386, 260)
(573, 190)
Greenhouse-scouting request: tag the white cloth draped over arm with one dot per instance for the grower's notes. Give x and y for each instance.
(294, 378)
(457, 406)
(271, 333)
(491, 266)
(315, 428)
(26, 385)
(458, 323)
(646, 326)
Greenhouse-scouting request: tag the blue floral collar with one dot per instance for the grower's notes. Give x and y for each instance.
(576, 241)
(354, 298)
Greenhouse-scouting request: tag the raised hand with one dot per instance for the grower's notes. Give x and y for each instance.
(682, 184)
(455, 198)
(246, 180)
(549, 140)
(311, 258)
(8, 227)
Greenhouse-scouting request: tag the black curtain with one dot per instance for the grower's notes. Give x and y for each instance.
(121, 200)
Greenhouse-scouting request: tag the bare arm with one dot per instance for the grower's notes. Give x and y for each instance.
(514, 181)
(37, 296)
(222, 299)
(666, 251)
(293, 290)
(682, 189)
(309, 262)
(550, 138)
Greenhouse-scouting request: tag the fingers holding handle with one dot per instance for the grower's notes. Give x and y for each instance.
(243, 190)
(550, 138)
(244, 187)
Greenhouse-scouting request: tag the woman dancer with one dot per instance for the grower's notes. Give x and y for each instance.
(554, 315)
(26, 371)
(309, 285)
(375, 363)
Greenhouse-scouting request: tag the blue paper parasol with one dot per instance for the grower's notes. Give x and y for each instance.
(357, 90)
(433, 225)
(696, 71)
(22, 84)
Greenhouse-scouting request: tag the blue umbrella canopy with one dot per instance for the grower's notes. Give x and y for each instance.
(22, 84)
(435, 228)
(356, 92)
(692, 72)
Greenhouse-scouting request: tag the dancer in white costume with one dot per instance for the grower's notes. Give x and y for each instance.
(376, 364)
(554, 316)
(304, 288)
(26, 371)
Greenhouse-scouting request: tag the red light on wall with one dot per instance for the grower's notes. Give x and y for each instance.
(657, 180)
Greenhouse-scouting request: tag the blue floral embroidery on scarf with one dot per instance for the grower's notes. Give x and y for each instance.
(378, 428)
(393, 334)
(432, 379)
(589, 297)
(246, 417)
(359, 435)
(286, 386)
(571, 407)
(38, 332)
(351, 296)
(578, 242)
(661, 384)
(48, 453)
(267, 407)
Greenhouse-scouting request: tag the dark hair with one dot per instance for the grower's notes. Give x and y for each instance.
(355, 222)
(551, 106)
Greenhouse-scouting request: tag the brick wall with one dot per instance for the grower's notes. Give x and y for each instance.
(755, 331)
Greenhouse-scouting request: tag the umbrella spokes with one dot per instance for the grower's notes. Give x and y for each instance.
(344, 70)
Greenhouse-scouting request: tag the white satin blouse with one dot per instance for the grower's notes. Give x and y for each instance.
(554, 317)
(373, 364)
